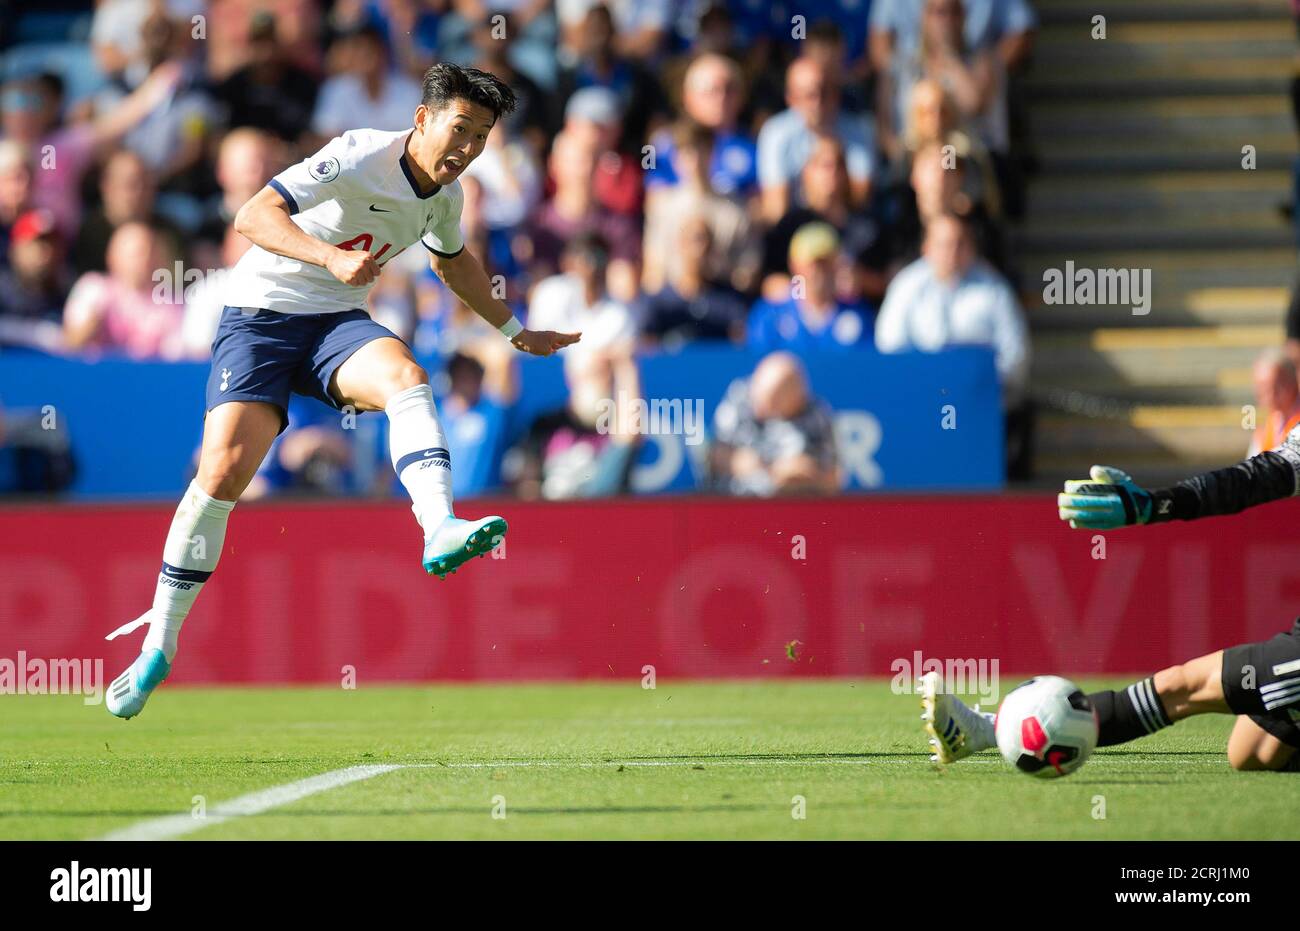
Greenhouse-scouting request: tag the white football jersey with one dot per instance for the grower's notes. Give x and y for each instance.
(357, 192)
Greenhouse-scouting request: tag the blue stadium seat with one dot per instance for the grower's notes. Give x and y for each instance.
(52, 26)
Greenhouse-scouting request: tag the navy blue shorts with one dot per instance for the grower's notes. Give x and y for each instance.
(262, 355)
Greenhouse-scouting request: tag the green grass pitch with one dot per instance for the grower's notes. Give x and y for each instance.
(592, 761)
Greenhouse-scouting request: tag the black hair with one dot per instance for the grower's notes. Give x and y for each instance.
(826, 32)
(369, 31)
(459, 362)
(50, 82)
(715, 12)
(591, 246)
(686, 133)
(445, 82)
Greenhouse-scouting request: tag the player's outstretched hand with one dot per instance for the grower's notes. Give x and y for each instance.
(352, 267)
(543, 342)
(1109, 499)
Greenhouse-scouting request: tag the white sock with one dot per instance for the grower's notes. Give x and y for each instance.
(193, 546)
(982, 735)
(420, 456)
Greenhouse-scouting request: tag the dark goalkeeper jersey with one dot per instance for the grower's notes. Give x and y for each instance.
(1267, 477)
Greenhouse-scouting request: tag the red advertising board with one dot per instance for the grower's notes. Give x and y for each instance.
(695, 587)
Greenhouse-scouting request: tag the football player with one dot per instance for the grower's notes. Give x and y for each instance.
(294, 322)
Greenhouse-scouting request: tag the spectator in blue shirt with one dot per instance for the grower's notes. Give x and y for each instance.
(712, 96)
(812, 317)
(475, 425)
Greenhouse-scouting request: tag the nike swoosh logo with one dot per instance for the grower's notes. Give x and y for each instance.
(379, 209)
(171, 574)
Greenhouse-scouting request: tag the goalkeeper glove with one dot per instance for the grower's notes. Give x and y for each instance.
(1110, 499)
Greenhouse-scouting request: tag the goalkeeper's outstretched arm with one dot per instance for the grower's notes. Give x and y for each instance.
(1110, 498)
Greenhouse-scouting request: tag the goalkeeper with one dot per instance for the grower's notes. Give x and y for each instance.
(1260, 682)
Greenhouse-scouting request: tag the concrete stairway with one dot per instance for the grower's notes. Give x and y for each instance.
(1139, 138)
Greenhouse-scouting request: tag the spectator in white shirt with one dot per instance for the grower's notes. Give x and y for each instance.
(367, 89)
(641, 25)
(116, 27)
(577, 298)
(205, 299)
(949, 297)
(1006, 25)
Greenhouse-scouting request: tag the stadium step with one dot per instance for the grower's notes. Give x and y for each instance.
(1165, 133)
(1233, 389)
(1104, 154)
(1167, 39)
(1106, 81)
(1103, 360)
(1149, 120)
(1053, 12)
(1174, 193)
(1142, 75)
(1206, 267)
(1177, 303)
(1139, 141)
(1179, 438)
(1189, 228)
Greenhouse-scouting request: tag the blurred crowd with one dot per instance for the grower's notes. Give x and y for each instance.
(782, 176)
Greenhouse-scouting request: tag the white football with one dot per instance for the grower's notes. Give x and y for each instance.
(1046, 727)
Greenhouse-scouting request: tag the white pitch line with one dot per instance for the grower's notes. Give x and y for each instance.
(255, 803)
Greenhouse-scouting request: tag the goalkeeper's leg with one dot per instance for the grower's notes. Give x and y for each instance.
(1157, 701)
(1259, 682)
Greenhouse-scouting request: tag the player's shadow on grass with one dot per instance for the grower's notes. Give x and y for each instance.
(1110, 752)
(683, 758)
(1122, 782)
(770, 757)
